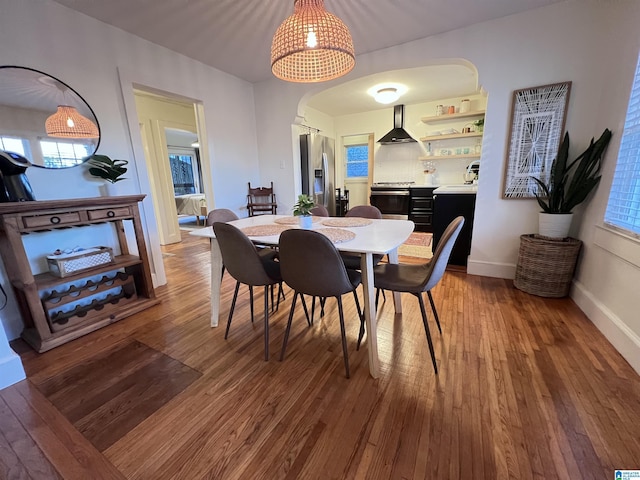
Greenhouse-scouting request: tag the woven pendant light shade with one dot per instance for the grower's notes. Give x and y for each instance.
(312, 45)
(68, 123)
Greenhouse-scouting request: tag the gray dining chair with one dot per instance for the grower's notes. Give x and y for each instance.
(225, 215)
(320, 211)
(416, 279)
(311, 265)
(220, 215)
(351, 260)
(246, 265)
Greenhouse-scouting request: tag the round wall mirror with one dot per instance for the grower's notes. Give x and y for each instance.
(44, 119)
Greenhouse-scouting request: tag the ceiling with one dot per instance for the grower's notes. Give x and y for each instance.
(235, 35)
(424, 84)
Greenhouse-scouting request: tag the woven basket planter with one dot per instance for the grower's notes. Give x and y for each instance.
(546, 265)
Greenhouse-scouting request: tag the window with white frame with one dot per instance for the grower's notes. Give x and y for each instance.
(14, 144)
(623, 208)
(62, 154)
(357, 160)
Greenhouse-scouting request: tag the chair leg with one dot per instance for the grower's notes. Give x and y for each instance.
(313, 308)
(222, 274)
(322, 302)
(280, 292)
(304, 307)
(426, 329)
(251, 301)
(435, 312)
(361, 315)
(266, 322)
(272, 300)
(233, 306)
(286, 332)
(345, 353)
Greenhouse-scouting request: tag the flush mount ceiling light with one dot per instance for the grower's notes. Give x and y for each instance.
(312, 45)
(387, 93)
(67, 122)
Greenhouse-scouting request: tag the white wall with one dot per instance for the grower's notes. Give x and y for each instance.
(93, 58)
(595, 45)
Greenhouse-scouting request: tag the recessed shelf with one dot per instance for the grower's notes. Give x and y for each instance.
(450, 136)
(449, 157)
(452, 116)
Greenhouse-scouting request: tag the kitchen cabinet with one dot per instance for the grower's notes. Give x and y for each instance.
(446, 207)
(421, 208)
(56, 310)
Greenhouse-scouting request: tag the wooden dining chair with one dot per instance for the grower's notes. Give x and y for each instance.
(416, 279)
(246, 265)
(261, 200)
(311, 265)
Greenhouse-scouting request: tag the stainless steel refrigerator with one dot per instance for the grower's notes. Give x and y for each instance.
(317, 162)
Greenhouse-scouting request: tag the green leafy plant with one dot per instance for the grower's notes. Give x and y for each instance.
(570, 182)
(479, 124)
(103, 167)
(304, 205)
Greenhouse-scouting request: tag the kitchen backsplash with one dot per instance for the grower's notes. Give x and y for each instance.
(399, 163)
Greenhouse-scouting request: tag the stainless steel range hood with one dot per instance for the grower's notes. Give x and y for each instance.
(398, 134)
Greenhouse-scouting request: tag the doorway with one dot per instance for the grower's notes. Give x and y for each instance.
(168, 129)
(357, 164)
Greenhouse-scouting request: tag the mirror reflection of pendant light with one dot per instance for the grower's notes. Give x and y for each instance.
(67, 122)
(312, 45)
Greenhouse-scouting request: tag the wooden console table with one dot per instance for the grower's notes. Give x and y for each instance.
(125, 287)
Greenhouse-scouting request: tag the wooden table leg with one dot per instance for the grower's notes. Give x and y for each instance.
(216, 281)
(366, 264)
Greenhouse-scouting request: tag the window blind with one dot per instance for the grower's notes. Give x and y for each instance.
(623, 208)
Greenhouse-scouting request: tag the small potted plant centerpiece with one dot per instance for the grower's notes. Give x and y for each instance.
(111, 171)
(302, 209)
(570, 182)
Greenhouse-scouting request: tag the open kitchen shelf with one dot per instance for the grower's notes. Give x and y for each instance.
(452, 116)
(450, 136)
(439, 157)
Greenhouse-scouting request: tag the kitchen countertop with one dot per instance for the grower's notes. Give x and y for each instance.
(451, 189)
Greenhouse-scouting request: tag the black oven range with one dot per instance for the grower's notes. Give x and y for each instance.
(392, 198)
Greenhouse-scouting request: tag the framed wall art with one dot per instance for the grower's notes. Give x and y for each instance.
(537, 125)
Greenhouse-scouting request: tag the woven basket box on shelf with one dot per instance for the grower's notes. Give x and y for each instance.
(71, 263)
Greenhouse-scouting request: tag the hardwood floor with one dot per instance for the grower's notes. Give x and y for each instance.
(527, 388)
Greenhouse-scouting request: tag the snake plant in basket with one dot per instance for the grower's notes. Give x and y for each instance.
(570, 182)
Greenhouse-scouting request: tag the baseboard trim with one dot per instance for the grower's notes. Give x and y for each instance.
(11, 370)
(625, 341)
(491, 269)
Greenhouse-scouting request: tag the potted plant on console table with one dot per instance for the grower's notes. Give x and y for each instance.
(111, 171)
(570, 182)
(302, 209)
